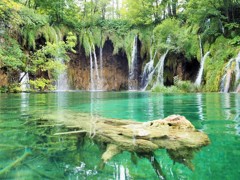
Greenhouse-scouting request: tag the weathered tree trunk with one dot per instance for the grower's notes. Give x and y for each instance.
(174, 133)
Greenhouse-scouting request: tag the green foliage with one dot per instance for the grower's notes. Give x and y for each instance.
(164, 89)
(40, 29)
(179, 87)
(185, 86)
(221, 52)
(170, 35)
(11, 56)
(41, 84)
(51, 57)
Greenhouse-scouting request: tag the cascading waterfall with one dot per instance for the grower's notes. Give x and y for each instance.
(226, 79)
(62, 81)
(133, 73)
(237, 69)
(200, 72)
(160, 70)
(96, 78)
(24, 81)
(148, 73)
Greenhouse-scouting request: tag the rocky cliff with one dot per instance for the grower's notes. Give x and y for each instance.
(178, 65)
(114, 71)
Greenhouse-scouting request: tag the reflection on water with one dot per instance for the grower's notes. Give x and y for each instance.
(199, 105)
(237, 116)
(61, 157)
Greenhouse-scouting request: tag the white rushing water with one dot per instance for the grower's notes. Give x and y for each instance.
(226, 80)
(133, 68)
(62, 81)
(200, 72)
(160, 69)
(96, 78)
(24, 81)
(148, 73)
(237, 68)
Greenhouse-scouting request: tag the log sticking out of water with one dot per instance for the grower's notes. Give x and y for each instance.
(174, 133)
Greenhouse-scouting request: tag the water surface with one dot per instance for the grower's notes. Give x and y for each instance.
(61, 157)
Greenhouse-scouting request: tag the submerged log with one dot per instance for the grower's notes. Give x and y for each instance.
(174, 133)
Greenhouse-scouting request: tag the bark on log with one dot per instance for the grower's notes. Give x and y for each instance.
(174, 133)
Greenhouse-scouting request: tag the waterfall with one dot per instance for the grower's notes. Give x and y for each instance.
(160, 69)
(133, 73)
(226, 79)
(200, 73)
(237, 69)
(62, 81)
(96, 65)
(96, 78)
(147, 73)
(24, 81)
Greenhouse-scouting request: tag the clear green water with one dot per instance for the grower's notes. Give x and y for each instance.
(61, 157)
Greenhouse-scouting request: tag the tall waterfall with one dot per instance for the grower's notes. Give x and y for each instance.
(147, 73)
(150, 71)
(237, 68)
(200, 72)
(226, 80)
(62, 81)
(133, 73)
(24, 81)
(96, 79)
(160, 69)
(237, 73)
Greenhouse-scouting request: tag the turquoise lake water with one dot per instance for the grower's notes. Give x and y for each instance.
(61, 157)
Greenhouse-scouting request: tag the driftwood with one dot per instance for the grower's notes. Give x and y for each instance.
(174, 133)
(15, 163)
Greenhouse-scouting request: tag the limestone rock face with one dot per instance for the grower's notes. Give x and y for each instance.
(114, 71)
(178, 65)
(3, 79)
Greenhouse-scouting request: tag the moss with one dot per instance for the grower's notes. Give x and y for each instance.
(179, 87)
(221, 52)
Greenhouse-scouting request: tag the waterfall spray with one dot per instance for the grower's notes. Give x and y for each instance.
(147, 74)
(96, 79)
(133, 74)
(24, 81)
(200, 72)
(160, 69)
(62, 81)
(226, 79)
